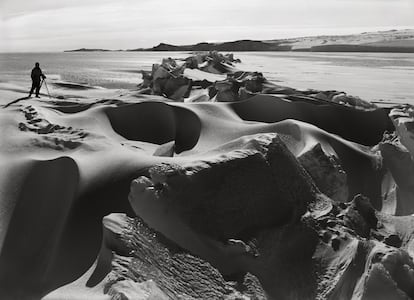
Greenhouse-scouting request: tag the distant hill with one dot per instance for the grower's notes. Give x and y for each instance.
(88, 50)
(380, 41)
(243, 45)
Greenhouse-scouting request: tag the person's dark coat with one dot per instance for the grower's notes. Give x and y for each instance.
(36, 75)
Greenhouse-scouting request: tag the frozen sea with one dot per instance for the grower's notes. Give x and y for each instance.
(371, 76)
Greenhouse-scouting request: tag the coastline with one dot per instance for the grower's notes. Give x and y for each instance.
(392, 41)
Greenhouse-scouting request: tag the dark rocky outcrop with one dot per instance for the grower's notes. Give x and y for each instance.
(241, 45)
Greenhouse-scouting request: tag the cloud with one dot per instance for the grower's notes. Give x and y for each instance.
(15, 8)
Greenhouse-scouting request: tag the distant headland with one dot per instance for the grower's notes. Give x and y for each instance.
(400, 41)
(88, 50)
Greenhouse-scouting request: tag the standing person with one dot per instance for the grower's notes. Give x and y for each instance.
(36, 75)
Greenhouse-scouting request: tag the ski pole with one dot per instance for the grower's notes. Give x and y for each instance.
(47, 89)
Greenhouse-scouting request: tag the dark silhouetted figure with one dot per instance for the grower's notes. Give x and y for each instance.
(37, 74)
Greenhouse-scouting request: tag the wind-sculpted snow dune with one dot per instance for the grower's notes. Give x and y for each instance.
(271, 196)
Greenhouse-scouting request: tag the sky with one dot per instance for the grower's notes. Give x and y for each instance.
(56, 25)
